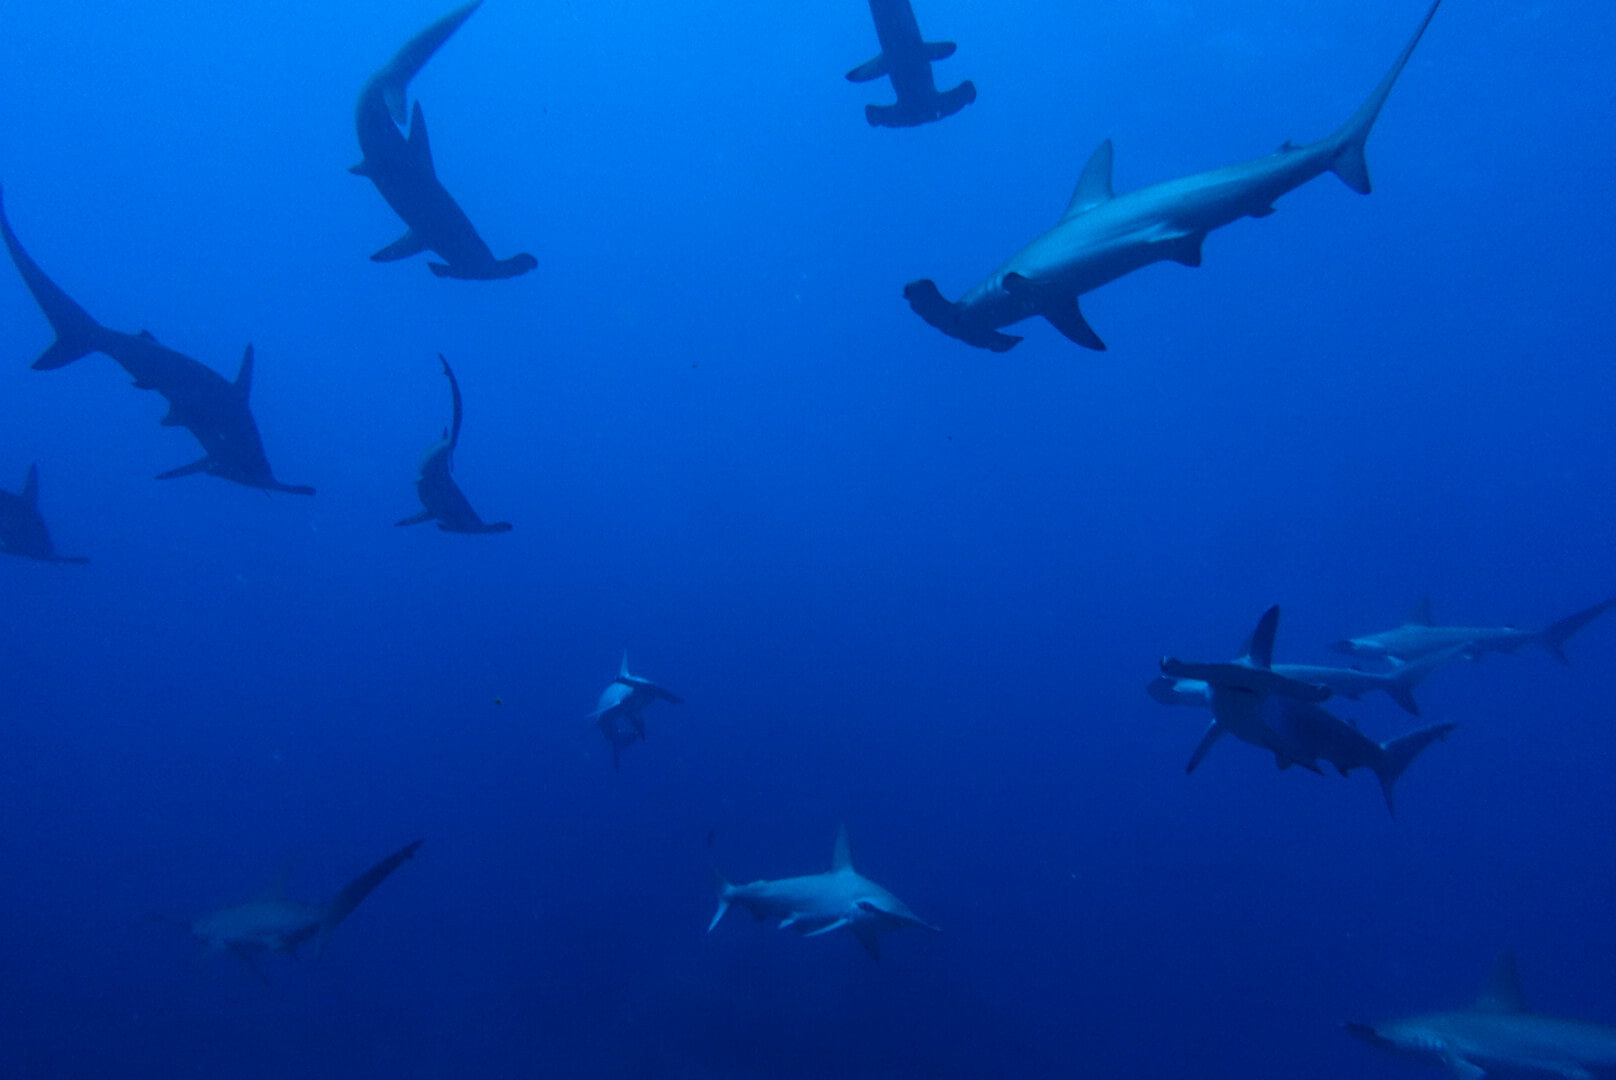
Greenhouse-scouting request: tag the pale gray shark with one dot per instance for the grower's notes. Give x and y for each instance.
(1103, 236)
(1499, 1037)
(820, 903)
(1420, 636)
(906, 59)
(212, 408)
(22, 529)
(403, 172)
(1397, 684)
(441, 498)
(272, 923)
(620, 712)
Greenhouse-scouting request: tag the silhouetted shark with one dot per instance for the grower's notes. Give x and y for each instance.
(22, 530)
(1499, 1037)
(200, 400)
(440, 495)
(1103, 236)
(820, 903)
(1398, 683)
(402, 168)
(906, 60)
(272, 923)
(1420, 636)
(619, 714)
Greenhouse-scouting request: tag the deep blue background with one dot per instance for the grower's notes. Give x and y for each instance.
(900, 582)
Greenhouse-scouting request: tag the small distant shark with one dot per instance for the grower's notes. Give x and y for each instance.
(1420, 636)
(440, 495)
(907, 60)
(1398, 684)
(272, 923)
(1499, 1037)
(820, 903)
(1281, 714)
(22, 529)
(200, 400)
(403, 172)
(1103, 236)
(619, 714)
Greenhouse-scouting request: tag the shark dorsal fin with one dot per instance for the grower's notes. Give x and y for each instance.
(30, 487)
(1503, 992)
(842, 857)
(622, 669)
(1260, 646)
(420, 147)
(244, 374)
(1094, 186)
(1422, 613)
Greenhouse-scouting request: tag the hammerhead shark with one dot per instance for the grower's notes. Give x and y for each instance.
(22, 529)
(402, 169)
(1103, 236)
(1420, 636)
(1281, 714)
(620, 712)
(199, 399)
(1498, 1036)
(1397, 684)
(441, 497)
(272, 923)
(820, 903)
(907, 60)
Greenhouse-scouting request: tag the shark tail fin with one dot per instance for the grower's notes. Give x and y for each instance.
(1554, 636)
(1399, 753)
(77, 334)
(1400, 683)
(343, 904)
(1349, 163)
(395, 78)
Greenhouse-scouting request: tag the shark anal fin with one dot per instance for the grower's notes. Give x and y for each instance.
(402, 248)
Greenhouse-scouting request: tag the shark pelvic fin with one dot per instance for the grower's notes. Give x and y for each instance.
(201, 464)
(870, 938)
(402, 248)
(1094, 186)
(827, 928)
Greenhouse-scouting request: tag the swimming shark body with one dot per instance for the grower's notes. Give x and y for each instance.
(22, 529)
(1420, 637)
(273, 923)
(1281, 714)
(402, 170)
(441, 498)
(213, 409)
(819, 903)
(1103, 236)
(1397, 684)
(906, 60)
(1499, 1037)
(620, 712)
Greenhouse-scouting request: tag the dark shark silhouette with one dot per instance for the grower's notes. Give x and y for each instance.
(441, 497)
(22, 530)
(906, 60)
(200, 400)
(401, 168)
(1103, 236)
(273, 923)
(620, 712)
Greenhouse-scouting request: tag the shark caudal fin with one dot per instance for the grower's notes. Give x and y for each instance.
(1401, 682)
(1349, 163)
(394, 79)
(344, 902)
(77, 333)
(1554, 636)
(1399, 753)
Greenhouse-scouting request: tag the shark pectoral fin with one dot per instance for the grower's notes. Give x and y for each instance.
(416, 519)
(201, 464)
(939, 50)
(870, 938)
(869, 70)
(1067, 317)
(402, 248)
(837, 925)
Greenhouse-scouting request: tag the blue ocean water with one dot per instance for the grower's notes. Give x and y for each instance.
(899, 582)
